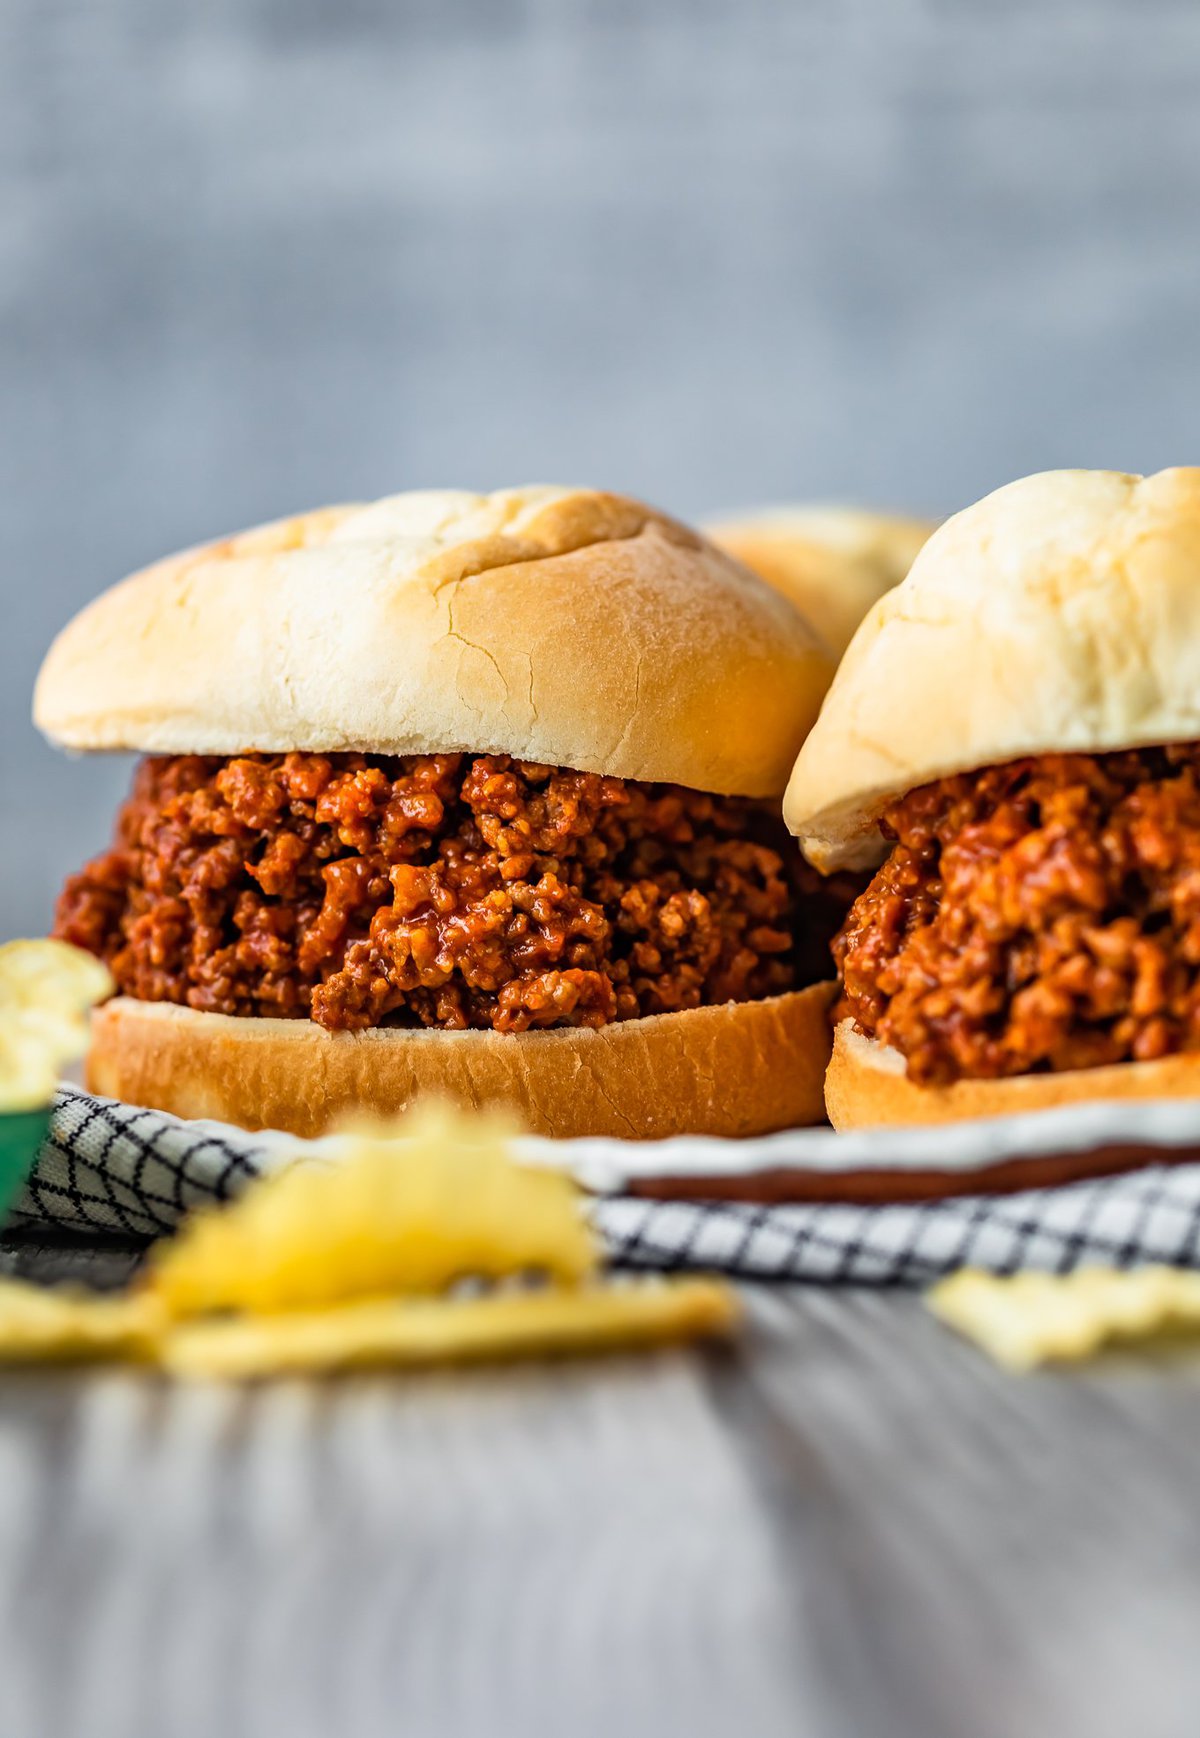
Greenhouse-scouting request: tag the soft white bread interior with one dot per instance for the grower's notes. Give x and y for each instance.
(742, 1068)
(559, 625)
(867, 1086)
(1061, 613)
(832, 562)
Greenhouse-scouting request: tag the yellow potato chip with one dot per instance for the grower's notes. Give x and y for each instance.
(52, 974)
(44, 1324)
(46, 989)
(1026, 1319)
(404, 1211)
(414, 1333)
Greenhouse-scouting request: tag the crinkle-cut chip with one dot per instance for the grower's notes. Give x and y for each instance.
(1026, 1319)
(406, 1211)
(407, 1333)
(52, 974)
(48, 1324)
(46, 989)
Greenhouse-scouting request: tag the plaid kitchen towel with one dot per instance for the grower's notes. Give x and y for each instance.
(109, 1169)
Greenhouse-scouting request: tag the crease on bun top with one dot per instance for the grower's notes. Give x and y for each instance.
(1061, 613)
(566, 626)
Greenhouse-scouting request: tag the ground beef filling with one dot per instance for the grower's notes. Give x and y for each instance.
(1038, 916)
(444, 891)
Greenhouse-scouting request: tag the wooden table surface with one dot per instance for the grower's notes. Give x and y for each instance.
(852, 1524)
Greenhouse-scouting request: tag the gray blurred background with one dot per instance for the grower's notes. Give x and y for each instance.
(261, 254)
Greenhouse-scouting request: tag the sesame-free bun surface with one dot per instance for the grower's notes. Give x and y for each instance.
(743, 1068)
(832, 562)
(867, 1086)
(1060, 614)
(563, 626)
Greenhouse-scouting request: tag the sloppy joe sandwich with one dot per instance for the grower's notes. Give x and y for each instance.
(832, 562)
(470, 795)
(1013, 742)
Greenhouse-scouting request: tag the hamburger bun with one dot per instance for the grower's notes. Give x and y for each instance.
(744, 1068)
(1056, 615)
(867, 1086)
(832, 562)
(564, 626)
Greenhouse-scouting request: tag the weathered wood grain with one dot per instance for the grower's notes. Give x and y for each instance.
(852, 1525)
(1010, 1555)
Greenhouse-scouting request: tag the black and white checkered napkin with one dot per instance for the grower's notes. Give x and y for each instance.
(111, 1170)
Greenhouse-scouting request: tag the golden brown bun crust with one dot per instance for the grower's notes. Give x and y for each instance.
(743, 1068)
(867, 1087)
(1057, 615)
(564, 626)
(832, 562)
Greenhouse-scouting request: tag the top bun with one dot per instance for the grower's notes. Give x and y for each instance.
(832, 562)
(557, 625)
(1060, 614)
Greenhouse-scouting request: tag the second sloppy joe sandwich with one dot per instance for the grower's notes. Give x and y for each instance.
(458, 794)
(1014, 739)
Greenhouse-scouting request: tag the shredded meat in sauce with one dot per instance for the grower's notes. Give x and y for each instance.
(444, 891)
(1037, 916)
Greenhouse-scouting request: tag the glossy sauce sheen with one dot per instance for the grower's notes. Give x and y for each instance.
(444, 891)
(1041, 915)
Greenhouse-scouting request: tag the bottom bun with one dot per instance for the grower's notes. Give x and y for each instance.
(867, 1086)
(744, 1068)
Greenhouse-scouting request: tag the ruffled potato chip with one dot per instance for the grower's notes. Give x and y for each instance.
(51, 1325)
(46, 990)
(405, 1211)
(1027, 1319)
(47, 1324)
(339, 1262)
(415, 1333)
